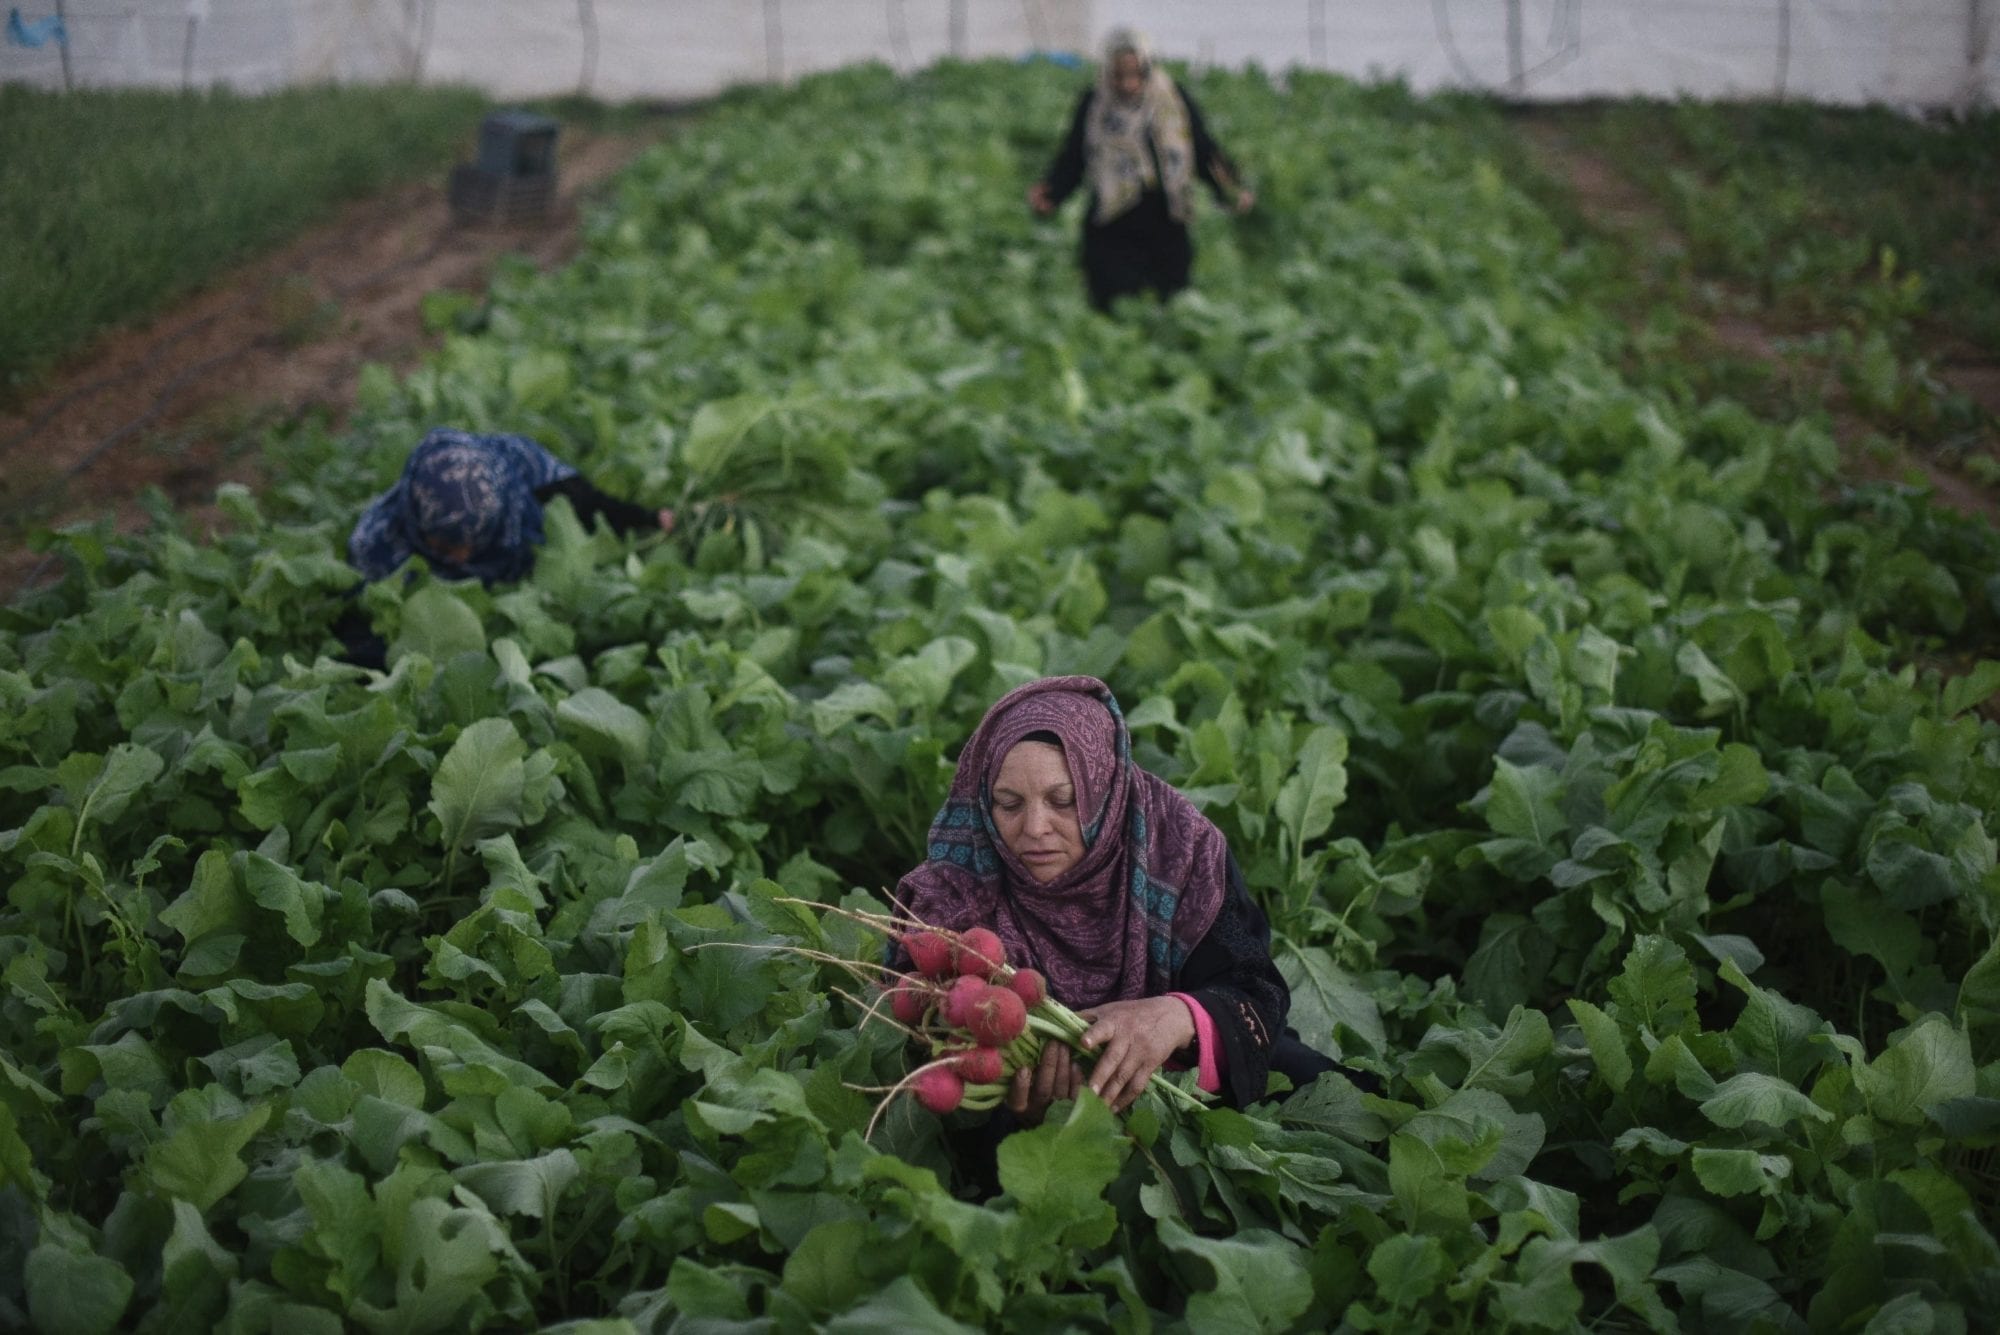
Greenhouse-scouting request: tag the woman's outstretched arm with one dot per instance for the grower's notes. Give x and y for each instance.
(1212, 164)
(1065, 174)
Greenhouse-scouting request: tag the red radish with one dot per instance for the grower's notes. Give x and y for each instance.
(1029, 986)
(930, 952)
(980, 953)
(959, 1001)
(939, 1089)
(979, 1066)
(997, 1017)
(908, 1000)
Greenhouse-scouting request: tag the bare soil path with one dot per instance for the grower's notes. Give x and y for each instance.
(181, 402)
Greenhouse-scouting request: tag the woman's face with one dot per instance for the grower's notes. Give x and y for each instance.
(1034, 808)
(1128, 75)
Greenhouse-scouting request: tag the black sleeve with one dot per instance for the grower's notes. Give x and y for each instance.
(359, 644)
(1065, 174)
(1232, 975)
(1210, 161)
(590, 503)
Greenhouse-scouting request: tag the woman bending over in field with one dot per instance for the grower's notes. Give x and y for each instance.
(1127, 899)
(1139, 140)
(471, 506)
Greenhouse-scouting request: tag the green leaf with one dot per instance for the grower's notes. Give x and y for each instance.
(71, 1293)
(1979, 990)
(195, 1271)
(1925, 1065)
(1973, 689)
(539, 379)
(276, 887)
(1774, 1035)
(437, 625)
(385, 1075)
(1607, 1044)
(477, 790)
(103, 797)
(1430, 1198)
(899, 1306)
(922, 680)
(1261, 1280)
(848, 702)
(1475, 1116)
(211, 904)
(598, 713)
(1764, 1099)
(1308, 799)
(718, 428)
(530, 1187)
(1407, 1268)
(1512, 957)
(1718, 693)
(1656, 986)
(827, 1270)
(1741, 1172)
(201, 1162)
(1325, 998)
(1059, 1170)
(1524, 802)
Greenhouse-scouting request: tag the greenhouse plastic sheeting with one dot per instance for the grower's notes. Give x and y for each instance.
(1919, 53)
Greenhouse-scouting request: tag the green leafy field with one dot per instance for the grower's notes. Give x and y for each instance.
(1589, 750)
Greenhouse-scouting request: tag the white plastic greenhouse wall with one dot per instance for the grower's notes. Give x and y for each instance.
(1907, 53)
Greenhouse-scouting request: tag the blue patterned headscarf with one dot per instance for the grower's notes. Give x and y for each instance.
(465, 503)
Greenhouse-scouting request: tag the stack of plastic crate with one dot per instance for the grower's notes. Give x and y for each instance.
(514, 179)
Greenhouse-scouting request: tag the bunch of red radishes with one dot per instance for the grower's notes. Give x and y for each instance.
(979, 1018)
(972, 1012)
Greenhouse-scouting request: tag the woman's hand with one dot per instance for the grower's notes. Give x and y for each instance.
(1054, 1077)
(1040, 201)
(1135, 1038)
(666, 520)
(1246, 200)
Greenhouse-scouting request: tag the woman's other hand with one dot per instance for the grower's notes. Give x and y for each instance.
(666, 520)
(1040, 201)
(1054, 1077)
(1133, 1039)
(1245, 201)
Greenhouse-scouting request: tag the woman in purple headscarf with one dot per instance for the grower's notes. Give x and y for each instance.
(1124, 896)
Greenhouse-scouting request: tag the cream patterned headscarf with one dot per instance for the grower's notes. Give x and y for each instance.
(1121, 164)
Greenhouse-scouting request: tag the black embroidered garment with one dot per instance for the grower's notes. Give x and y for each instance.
(1231, 974)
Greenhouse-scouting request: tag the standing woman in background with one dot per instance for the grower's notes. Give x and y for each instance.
(1138, 139)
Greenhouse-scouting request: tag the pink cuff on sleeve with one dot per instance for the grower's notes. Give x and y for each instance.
(1208, 1053)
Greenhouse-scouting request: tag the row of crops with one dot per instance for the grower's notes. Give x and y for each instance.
(1613, 775)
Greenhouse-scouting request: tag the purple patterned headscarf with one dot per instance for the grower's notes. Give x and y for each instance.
(1120, 923)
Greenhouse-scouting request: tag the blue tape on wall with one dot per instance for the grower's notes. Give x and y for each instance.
(39, 33)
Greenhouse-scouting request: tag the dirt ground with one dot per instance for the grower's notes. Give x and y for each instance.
(181, 403)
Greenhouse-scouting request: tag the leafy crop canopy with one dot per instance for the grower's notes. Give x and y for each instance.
(1583, 743)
